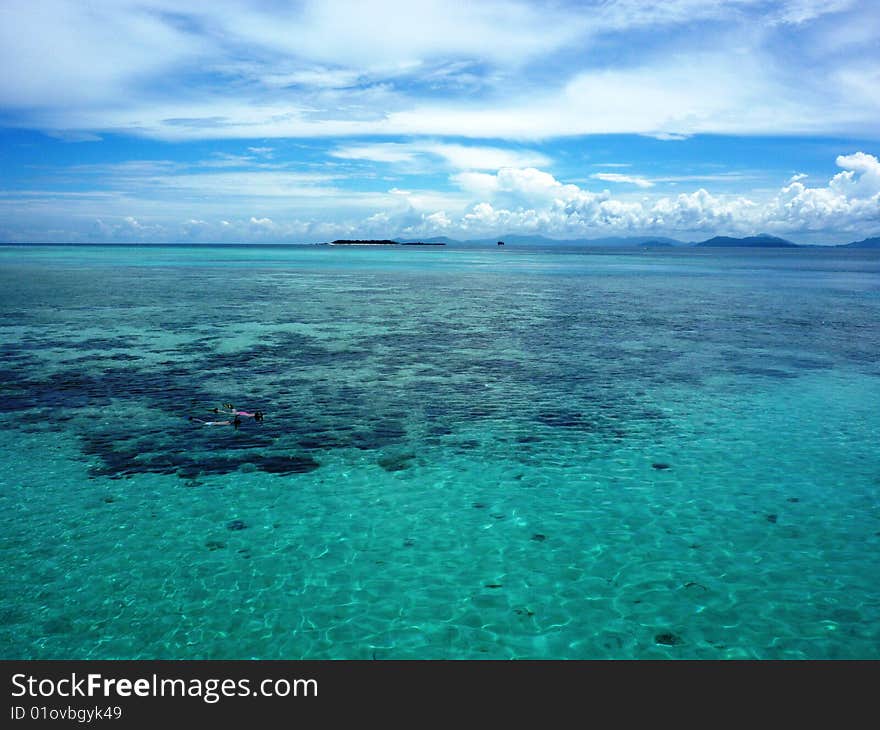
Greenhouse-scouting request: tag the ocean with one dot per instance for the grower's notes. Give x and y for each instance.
(467, 453)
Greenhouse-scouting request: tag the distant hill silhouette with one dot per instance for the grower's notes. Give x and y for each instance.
(434, 239)
(536, 240)
(759, 241)
(762, 240)
(867, 243)
(385, 242)
(363, 242)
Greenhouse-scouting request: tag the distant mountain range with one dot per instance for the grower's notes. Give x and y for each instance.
(521, 240)
(867, 243)
(762, 240)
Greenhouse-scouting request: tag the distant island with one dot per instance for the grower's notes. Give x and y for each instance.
(867, 243)
(347, 242)
(759, 241)
(382, 242)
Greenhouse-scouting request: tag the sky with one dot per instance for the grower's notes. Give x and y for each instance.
(274, 121)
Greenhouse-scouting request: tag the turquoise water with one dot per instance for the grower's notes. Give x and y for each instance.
(467, 453)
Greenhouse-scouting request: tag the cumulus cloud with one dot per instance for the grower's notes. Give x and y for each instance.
(299, 208)
(701, 211)
(851, 198)
(530, 199)
(127, 229)
(861, 175)
(517, 185)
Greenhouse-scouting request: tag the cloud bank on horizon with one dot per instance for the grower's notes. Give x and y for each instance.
(153, 120)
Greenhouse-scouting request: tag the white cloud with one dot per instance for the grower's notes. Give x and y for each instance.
(74, 136)
(438, 221)
(153, 200)
(701, 211)
(669, 136)
(797, 12)
(246, 185)
(57, 53)
(399, 32)
(530, 199)
(620, 178)
(522, 185)
(465, 157)
(672, 97)
(101, 48)
(325, 78)
(127, 169)
(457, 156)
(129, 229)
(506, 68)
(390, 152)
(851, 198)
(223, 159)
(861, 175)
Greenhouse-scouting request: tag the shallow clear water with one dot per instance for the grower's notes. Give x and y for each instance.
(466, 453)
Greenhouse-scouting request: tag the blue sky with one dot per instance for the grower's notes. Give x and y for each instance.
(275, 121)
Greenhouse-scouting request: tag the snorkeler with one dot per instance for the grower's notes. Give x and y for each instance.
(235, 422)
(256, 415)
